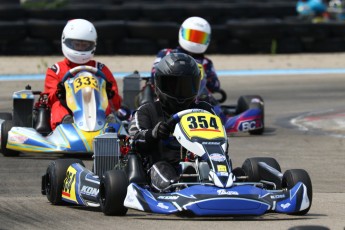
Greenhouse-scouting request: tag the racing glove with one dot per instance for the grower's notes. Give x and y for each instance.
(123, 113)
(61, 91)
(161, 131)
(110, 92)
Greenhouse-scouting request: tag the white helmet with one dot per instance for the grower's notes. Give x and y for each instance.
(195, 35)
(78, 41)
(336, 4)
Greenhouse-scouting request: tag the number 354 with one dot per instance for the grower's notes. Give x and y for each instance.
(202, 122)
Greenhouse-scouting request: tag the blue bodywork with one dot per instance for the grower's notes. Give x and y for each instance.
(206, 200)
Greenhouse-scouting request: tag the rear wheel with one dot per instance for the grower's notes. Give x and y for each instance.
(291, 178)
(245, 102)
(55, 176)
(6, 126)
(113, 191)
(6, 116)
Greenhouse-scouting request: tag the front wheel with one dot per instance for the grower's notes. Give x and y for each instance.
(291, 178)
(6, 126)
(269, 171)
(54, 178)
(112, 193)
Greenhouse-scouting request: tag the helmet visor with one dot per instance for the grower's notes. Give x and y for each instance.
(195, 36)
(79, 45)
(179, 87)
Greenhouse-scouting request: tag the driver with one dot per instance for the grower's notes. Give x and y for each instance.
(194, 38)
(177, 80)
(78, 43)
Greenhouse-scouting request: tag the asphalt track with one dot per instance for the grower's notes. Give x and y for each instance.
(301, 132)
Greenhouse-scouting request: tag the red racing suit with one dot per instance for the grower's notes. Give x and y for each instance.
(55, 74)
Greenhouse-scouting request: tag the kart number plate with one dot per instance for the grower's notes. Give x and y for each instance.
(85, 81)
(68, 188)
(202, 125)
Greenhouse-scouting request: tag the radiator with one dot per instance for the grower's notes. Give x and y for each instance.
(106, 153)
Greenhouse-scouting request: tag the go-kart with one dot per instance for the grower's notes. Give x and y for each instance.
(246, 116)
(208, 185)
(28, 130)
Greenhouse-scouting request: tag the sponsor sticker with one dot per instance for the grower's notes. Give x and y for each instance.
(210, 143)
(221, 168)
(285, 206)
(222, 173)
(217, 157)
(161, 205)
(168, 197)
(90, 191)
(249, 125)
(278, 196)
(225, 192)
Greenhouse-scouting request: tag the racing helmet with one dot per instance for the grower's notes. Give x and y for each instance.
(78, 41)
(195, 35)
(177, 81)
(336, 5)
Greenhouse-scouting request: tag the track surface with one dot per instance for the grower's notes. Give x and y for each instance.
(286, 97)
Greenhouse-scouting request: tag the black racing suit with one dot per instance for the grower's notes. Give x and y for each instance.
(141, 126)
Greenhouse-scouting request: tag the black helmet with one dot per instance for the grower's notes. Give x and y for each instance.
(177, 81)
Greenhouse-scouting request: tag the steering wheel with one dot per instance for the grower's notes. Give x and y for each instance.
(222, 94)
(75, 70)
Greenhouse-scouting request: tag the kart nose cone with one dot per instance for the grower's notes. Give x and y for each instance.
(229, 206)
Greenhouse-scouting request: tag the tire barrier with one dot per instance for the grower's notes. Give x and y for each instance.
(132, 27)
(11, 12)
(45, 29)
(13, 30)
(153, 31)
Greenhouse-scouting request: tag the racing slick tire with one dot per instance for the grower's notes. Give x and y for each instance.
(6, 116)
(291, 177)
(55, 176)
(252, 170)
(112, 193)
(5, 128)
(244, 103)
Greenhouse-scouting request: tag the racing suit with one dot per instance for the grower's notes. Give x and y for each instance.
(212, 83)
(163, 155)
(55, 74)
(140, 130)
